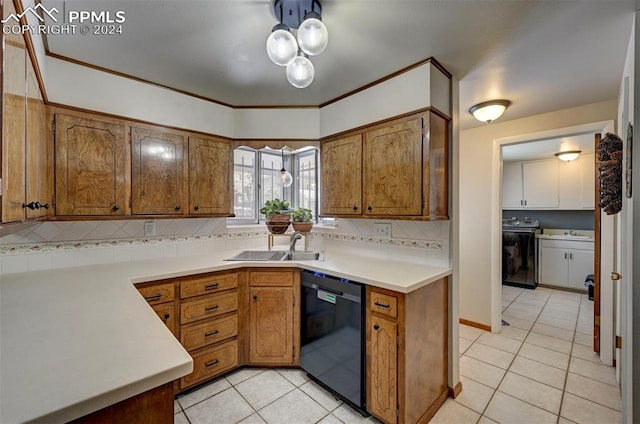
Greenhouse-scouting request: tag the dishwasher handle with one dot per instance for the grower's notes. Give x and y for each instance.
(324, 289)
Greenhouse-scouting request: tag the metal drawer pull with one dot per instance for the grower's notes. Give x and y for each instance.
(212, 363)
(153, 297)
(211, 333)
(382, 305)
(211, 308)
(211, 286)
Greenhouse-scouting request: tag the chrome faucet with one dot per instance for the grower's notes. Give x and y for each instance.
(294, 238)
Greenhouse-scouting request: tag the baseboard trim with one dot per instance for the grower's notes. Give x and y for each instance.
(475, 324)
(455, 391)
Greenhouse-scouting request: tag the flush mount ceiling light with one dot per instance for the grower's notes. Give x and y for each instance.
(568, 155)
(489, 111)
(284, 49)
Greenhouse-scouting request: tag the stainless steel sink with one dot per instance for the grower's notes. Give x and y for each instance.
(277, 255)
(304, 256)
(259, 255)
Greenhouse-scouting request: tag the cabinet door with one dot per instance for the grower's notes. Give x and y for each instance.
(540, 184)
(271, 325)
(210, 168)
(570, 184)
(13, 133)
(553, 266)
(90, 167)
(512, 185)
(393, 169)
(581, 263)
(588, 181)
(38, 172)
(157, 173)
(341, 176)
(382, 357)
(166, 312)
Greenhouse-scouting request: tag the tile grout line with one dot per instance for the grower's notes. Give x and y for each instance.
(511, 363)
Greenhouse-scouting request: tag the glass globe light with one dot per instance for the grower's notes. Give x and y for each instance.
(300, 72)
(313, 36)
(281, 46)
(285, 178)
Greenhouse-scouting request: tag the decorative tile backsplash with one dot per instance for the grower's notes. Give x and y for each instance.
(57, 244)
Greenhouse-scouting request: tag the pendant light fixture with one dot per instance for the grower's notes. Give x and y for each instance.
(285, 176)
(568, 155)
(489, 111)
(304, 17)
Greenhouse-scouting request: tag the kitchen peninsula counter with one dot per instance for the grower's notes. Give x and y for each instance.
(75, 340)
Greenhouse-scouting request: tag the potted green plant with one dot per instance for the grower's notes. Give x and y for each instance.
(302, 220)
(278, 214)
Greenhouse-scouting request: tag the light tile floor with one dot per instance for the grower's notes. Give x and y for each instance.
(539, 369)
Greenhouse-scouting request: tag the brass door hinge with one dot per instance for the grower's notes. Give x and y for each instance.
(618, 342)
(596, 320)
(53, 126)
(616, 276)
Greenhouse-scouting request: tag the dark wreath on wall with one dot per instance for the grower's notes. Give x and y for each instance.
(610, 167)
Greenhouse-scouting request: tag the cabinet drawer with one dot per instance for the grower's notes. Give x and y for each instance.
(212, 362)
(209, 283)
(200, 335)
(271, 278)
(209, 307)
(384, 304)
(166, 313)
(159, 293)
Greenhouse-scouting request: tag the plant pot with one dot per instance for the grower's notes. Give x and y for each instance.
(303, 227)
(278, 224)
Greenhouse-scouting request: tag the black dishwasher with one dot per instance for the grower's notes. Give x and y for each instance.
(332, 338)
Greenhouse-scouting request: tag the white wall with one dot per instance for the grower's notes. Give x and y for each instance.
(479, 197)
(286, 123)
(404, 93)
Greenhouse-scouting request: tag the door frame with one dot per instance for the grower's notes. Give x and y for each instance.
(496, 203)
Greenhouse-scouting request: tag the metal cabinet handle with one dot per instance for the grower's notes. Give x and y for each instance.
(255, 297)
(196, 207)
(153, 297)
(211, 286)
(211, 333)
(369, 208)
(166, 317)
(116, 207)
(211, 308)
(45, 206)
(355, 208)
(212, 363)
(571, 256)
(382, 305)
(177, 207)
(32, 205)
(376, 327)
(565, 255)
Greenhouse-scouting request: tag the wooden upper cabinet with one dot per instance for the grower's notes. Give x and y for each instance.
(436, 167)
(393, 169)
(210, 173)
(341, 176)
(13, 133)
(39, 173)
(90, 166)
(158, 172)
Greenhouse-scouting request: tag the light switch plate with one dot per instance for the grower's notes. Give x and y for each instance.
(149, 229)
(382, 229)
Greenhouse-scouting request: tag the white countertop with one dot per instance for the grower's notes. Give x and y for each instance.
(75, 340)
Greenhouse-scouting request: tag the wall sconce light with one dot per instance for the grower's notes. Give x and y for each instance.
(489, 111)
(568, 155)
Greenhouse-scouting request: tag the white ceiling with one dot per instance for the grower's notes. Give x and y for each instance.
(545, 149)
(541, 55)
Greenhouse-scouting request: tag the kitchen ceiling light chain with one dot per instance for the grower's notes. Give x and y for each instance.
(293, 52)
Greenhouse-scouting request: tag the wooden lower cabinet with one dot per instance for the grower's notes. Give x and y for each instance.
(273, 317)
(407, 353)
(166, 312)
(211, 362)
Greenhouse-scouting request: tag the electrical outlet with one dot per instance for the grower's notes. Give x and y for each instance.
(149, 229)
(382, 229)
